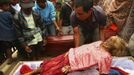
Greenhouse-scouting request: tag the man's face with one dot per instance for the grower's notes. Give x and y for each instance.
(41, 3)
(27, 10)
(81, 15)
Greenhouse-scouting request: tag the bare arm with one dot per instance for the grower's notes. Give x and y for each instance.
(76, 36)
(57, 27)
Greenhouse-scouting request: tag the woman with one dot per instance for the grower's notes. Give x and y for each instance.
(84, 57)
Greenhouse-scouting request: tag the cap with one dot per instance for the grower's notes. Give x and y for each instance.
(26, 3)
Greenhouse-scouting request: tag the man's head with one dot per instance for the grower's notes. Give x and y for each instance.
(83, 9)
(26, 6)
(14, 2)
(41, 3)
(5, 5)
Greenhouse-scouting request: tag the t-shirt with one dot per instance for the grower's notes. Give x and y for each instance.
(98, 18)
(89, 27)
(65, 14)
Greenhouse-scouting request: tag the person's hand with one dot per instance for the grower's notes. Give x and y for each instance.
(28, 49)
(66, 69)
(58, 28)
(59, 31)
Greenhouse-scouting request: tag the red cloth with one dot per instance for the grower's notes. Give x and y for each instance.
(54, 65)
(25, 69)
(111, 31)
(114, 27)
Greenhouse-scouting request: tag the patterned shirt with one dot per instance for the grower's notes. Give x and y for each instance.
(37, 35)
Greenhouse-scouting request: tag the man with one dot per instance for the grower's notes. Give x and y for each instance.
(87, 19)
(65, 13)
(29, 26)
(47, 10)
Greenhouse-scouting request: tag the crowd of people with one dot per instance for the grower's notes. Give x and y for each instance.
(25, 24)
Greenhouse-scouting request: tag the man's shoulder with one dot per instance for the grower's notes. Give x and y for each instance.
(99, 15)
(98, 9)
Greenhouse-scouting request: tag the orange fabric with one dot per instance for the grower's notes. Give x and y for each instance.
(114, 27)
(112, 30)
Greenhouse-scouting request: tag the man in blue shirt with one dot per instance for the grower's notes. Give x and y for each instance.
(47, 10)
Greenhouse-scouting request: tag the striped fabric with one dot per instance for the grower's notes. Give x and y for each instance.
(37, 36)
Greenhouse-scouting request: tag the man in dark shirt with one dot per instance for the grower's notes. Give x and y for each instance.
(65, 13)
(88, 20)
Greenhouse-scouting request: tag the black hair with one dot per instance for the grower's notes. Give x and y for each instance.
(85, 4)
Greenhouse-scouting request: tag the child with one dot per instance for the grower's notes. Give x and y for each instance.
(84, 57)
(7, 31)
(29, 27)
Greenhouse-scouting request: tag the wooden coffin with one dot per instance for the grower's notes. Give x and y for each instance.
(57, 45)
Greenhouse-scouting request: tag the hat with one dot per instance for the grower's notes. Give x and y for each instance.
(26, 3)
(4, 1)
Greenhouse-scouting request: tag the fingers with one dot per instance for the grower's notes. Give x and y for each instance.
(66, 69)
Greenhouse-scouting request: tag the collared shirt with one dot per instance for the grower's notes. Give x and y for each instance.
(48, 13)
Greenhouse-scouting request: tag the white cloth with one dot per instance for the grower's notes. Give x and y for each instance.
(16, 7)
